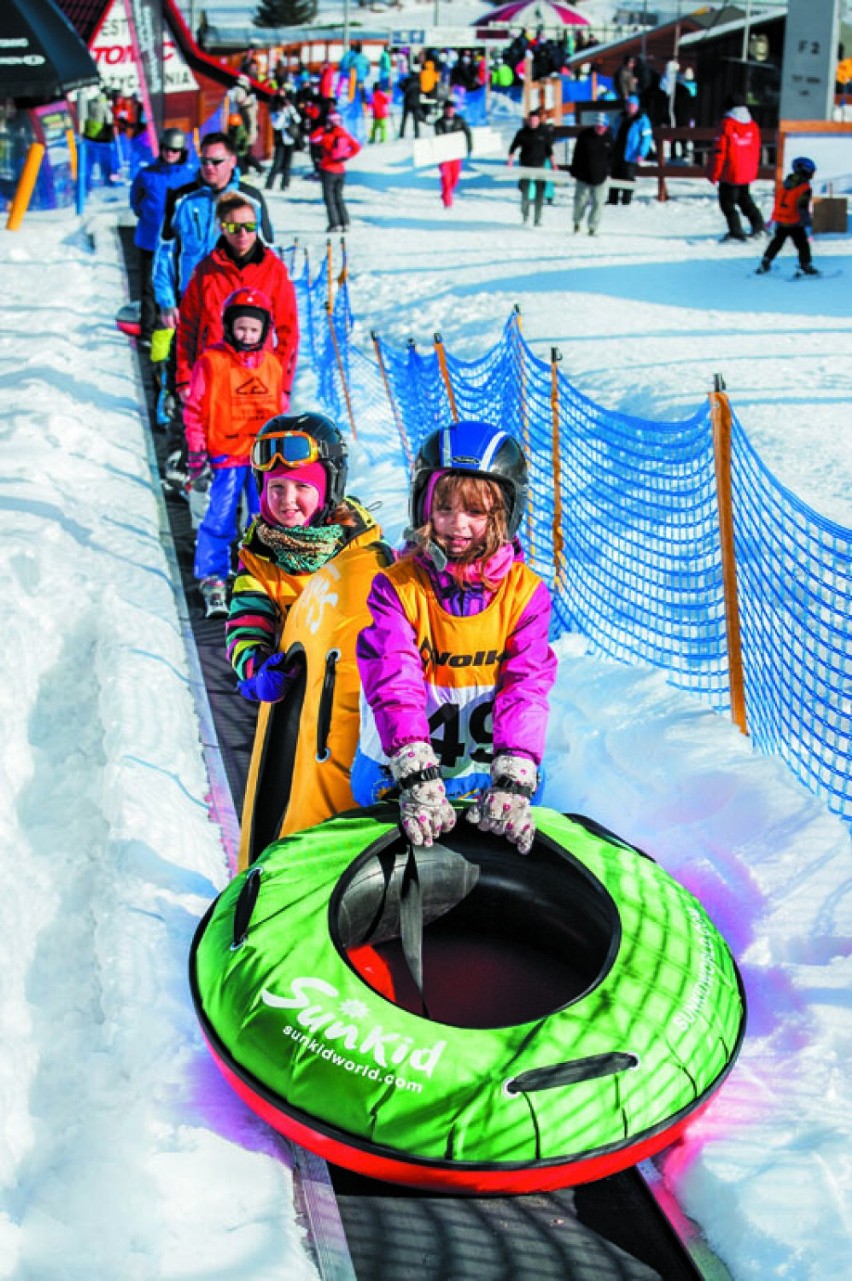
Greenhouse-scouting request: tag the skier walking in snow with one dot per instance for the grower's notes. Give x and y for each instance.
(590, 165)
(534, 145)
(792, 216)
(734, 164)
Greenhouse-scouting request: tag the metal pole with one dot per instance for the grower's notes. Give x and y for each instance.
(746, 30)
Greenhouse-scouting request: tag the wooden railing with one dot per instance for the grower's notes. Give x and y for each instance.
(697, 145)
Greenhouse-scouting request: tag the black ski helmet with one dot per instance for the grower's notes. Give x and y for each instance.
(480, 450)
(175, 140)
(247, 302)
(270, 444)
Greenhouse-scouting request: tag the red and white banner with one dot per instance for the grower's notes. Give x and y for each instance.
(112, 49)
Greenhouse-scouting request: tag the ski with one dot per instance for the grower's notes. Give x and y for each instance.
(818, 275)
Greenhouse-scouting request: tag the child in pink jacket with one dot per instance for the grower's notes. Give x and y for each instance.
(455, 666)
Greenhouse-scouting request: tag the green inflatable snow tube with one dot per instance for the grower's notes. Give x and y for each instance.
(462, 1017)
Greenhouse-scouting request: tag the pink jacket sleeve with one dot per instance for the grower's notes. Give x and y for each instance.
(391, 670)
(526, 678)
(194, 409)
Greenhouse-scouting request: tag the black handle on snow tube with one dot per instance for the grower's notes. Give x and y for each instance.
(570, 1073)
(325, 704)
(245, 906)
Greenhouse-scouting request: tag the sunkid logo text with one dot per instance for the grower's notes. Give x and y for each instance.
(388, 1049)
(446, 658)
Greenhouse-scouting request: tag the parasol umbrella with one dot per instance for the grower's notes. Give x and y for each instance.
(42, 58)
(532, 14)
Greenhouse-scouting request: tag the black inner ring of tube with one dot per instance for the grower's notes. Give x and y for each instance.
(506, 939)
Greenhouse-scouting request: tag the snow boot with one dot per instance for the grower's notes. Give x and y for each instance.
(176, 472)
(762, 267)
(808, 269)
(214, 593)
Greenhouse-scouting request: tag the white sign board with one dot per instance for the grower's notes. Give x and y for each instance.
(112, 51)
(453, 146)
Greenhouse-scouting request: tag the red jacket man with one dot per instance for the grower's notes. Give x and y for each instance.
(734, 165)
(239, 260)
(736, 154)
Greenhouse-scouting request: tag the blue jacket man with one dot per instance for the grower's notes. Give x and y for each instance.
(190, 229)
(148, 201)
(633, 141)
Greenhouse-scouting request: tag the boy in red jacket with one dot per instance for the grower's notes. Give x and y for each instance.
(792, 216)
(236, 386)
(734, 165)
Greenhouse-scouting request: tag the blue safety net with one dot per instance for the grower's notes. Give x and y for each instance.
(623, 524)
(795, 587)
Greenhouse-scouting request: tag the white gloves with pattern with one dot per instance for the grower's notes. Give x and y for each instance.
(424, 809)
(504, 807)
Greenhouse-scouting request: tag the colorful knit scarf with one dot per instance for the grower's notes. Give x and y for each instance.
(302, 550)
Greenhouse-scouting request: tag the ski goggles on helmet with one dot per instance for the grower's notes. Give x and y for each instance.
(290, 449)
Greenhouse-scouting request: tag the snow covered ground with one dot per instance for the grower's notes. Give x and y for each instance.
(122, 1152)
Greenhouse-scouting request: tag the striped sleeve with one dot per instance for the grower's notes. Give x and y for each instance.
(253, 627)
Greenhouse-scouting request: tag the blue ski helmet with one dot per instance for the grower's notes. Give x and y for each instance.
(805, 166)
(477, 449)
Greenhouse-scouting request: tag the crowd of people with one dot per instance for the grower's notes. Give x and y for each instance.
(219, 319)
(277, 511)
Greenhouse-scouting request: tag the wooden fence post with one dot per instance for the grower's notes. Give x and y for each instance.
(337, 353)
(397, 416)
(445, 374)
(720, 416)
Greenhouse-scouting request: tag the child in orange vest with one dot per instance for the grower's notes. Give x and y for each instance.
(792, 217)
(235, 387)
(455, 666)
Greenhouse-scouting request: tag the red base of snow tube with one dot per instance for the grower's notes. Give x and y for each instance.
(446, 1178)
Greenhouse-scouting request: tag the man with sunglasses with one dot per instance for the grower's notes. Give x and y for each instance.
(239, 260)
(190, 226)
